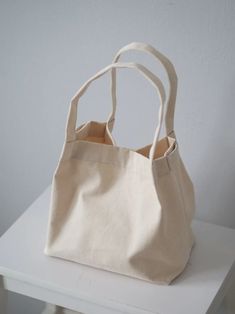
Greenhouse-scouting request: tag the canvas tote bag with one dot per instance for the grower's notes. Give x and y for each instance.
(123, 210)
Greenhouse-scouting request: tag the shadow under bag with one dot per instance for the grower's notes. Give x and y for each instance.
(123, 210)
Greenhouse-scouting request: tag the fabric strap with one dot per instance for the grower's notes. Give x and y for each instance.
(154, 80)
(172, 79)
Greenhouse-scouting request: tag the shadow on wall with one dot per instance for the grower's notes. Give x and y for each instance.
(217, 188)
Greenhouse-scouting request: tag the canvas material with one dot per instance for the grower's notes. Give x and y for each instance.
(121, 210)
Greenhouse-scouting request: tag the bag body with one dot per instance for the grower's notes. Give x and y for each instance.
(117, 209)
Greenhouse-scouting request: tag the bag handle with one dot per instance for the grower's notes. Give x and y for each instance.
(172, 79)
(154, 80)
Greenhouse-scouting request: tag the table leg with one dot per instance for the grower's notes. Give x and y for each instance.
(230, 300)
(55, 309)
(50, 309)
(66, 311)
(3, 297)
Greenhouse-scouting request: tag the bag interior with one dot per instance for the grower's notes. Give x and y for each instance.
(96, 132)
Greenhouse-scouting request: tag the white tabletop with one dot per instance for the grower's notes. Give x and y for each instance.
(198, 290)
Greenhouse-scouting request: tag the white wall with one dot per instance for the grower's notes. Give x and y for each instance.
(48, 49)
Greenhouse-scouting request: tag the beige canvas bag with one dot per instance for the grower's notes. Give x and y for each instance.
(122, 210)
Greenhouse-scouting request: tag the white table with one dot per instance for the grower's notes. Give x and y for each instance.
(26, 270)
